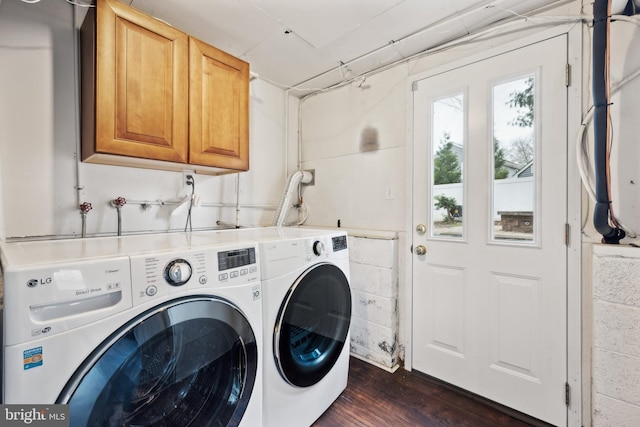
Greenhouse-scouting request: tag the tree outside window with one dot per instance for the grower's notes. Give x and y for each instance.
(446, 165)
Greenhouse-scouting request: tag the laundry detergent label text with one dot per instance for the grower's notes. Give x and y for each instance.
(34, 415)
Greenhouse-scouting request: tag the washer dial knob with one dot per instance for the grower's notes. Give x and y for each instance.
(318, 247)
(177, 272)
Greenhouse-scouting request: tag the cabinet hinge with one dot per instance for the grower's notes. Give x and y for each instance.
(567, 232)
(414, 86)
(567, 75)
(567, 394)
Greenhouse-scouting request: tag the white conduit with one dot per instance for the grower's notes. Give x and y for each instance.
(295, 179)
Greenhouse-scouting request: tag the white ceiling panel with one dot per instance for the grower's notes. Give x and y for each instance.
(233, 26)
(320, 22)
(353, 44)
(303, 42)
(287, 58)
(414, 15)
(462, 5)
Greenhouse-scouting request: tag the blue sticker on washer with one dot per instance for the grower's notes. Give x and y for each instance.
(32, 358)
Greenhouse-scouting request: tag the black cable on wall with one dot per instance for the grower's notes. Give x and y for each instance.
(601, 123)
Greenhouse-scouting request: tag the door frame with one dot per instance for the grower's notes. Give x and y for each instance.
(575, 369)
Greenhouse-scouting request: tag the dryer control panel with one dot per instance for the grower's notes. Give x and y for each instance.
(339, 243)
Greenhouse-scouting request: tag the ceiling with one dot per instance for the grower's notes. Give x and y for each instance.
(317, 43)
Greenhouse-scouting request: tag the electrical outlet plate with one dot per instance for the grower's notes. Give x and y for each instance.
(186, 172)
(389, 192)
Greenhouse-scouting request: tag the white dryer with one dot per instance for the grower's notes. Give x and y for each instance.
(307, 315)
(156, 330)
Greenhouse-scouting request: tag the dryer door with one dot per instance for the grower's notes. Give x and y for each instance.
(190, 361)
(312, 325)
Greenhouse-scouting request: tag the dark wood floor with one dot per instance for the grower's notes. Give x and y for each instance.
(376, 398)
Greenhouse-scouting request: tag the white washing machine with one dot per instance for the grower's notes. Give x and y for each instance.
(307, 315)
(156, 330)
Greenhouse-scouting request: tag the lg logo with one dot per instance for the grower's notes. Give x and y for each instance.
(35, 282)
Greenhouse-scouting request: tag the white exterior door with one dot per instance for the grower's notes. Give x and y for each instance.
(490, 209)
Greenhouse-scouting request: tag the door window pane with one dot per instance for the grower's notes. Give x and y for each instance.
(447, 142)
(513, 192)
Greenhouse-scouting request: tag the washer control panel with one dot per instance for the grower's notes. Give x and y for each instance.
(161, 274)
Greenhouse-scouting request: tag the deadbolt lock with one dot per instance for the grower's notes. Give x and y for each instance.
(421, 250)
(421, 229)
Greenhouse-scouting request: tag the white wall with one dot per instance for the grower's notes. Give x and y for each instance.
(360, 184)
(36, 114)
(38, 140)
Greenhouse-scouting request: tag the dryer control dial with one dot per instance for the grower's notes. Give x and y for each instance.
(318, 247)
(177, 272)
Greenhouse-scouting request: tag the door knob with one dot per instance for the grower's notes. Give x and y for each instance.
(421, 250)
(421, 229)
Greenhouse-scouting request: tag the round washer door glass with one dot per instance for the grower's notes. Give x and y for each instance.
(312, 325)
(189, 362)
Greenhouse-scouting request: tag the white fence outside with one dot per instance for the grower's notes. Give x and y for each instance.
(511, 194)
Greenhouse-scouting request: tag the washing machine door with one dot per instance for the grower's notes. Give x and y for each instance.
(188, 362)
(312, 325)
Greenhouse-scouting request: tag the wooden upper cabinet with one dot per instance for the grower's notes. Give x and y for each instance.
(151, 92)
(218, 107)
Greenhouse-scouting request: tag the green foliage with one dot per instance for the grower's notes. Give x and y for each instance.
(446, 166)
(524, 100)
(447, 203)
(499, 171)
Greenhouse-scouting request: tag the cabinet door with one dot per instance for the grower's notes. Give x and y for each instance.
(142, 85)
(218, 108)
